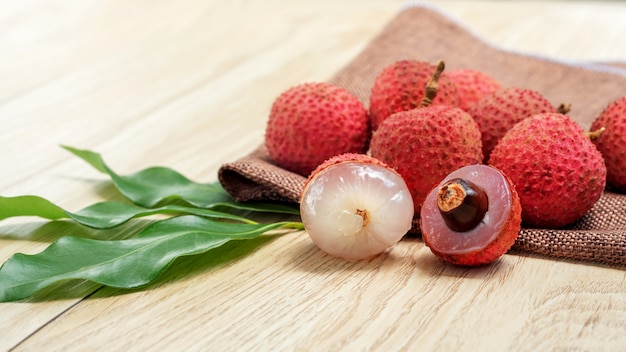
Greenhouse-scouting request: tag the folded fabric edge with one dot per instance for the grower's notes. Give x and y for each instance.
(255, 178)
(616, 68)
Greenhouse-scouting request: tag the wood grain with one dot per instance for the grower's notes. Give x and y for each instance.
(187, 84)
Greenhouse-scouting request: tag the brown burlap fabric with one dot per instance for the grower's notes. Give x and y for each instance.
(425, 34)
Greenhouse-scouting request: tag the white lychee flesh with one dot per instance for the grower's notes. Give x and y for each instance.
(356, 210)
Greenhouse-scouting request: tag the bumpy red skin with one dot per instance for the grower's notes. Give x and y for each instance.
(344, 158)
(612, 142)
(498, 247)
(472, 85)
(426, 144)
(498, 112)
(312, 122)
(400, 86)
(557, 171)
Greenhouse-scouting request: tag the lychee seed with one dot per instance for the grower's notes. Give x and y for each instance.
(462, 204)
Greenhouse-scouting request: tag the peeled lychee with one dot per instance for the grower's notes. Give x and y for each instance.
(472, 85)
(354, 206)
(400, 87)
(472, 217)
(612, 142)
(496, 113)
(312, 122)
(557, 171)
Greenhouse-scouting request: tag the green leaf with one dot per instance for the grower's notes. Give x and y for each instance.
(30, 206)
(123, 263)
(103, 215)
(281, 208)
(107, 215)
(156, 185)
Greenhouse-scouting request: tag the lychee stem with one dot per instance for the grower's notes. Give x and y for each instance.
(564, 108)
(462, 204)
(593, 135)
(432, 87)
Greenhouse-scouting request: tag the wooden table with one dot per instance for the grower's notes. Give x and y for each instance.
(188, 84)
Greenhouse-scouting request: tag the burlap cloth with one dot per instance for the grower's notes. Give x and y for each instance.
(426, 34)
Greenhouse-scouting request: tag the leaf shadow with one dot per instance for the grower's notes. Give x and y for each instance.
(310, 258)
(411, 252)
(102, 187)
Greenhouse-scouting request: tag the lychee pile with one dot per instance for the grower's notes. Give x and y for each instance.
(467, 159)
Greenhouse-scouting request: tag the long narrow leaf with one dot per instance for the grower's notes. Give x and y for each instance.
(125, 263)
(107, 215)
(30, 206)
(103, 215)
(155, 185)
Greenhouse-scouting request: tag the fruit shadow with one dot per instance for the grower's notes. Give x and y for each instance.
(409, 254)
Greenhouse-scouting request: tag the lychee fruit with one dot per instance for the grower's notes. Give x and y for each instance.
(354, 206)
(312, 122)
(472, 85)
(472, 217)
(400, 87)
(496, 113)
(557, 171)
(612, 142)
(425, 144)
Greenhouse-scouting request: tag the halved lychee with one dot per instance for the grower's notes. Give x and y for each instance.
(472, 217)
(354, 206)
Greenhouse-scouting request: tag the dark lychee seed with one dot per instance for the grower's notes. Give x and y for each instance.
(462, 204)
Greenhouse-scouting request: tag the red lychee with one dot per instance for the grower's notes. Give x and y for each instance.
(400, 87)
(612, 142)
(312, 122)
(557, 171)
(496, 113)
(472, 217)
(425, 144)
(472, 85)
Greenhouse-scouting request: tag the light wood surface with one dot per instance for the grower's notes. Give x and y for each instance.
(188, 84)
